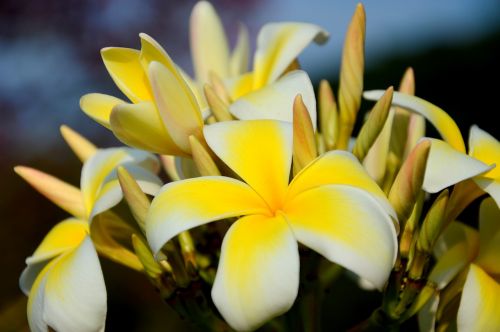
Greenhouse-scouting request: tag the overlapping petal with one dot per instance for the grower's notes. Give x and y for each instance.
(439, 174)
(259, 151)
(176, 104)
(35, 309)
(480, 303)
(275, 101)
(69, 294)
(486, 148)
(130, 122)
(347, 226)
(186, 204)
(456, 248)
(240, 85)
(98, 106)
(258, 274)
(491, 186)
(111, 194)
(454, 234)
(96, 170)
(125, 68)
(238, 62)
(62, 237)
(209, 46)
(75, 295)
(338, 167)
(151, 51)
(278, 44)
(30, 274)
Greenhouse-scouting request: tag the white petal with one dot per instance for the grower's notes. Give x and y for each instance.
(479, 308)
(491, 186)
(427, 315)
(338, 167)
(75, 294)
(209, 47)
(238, 64)
(347, 226)
(69, 293)
(278, 44)
(258, 274)
(455, 249)
(29, 275)
(176, 104)
(98, 168)
(36, 300)
(275, 101)
(486, 148)
(110, 193)
(447, 166)
(185, 204)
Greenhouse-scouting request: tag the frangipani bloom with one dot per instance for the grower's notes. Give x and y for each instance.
(278, 45)
(462, 247)
(164, 111)
(332, 206)
(63, 278)
(210, 48)
(168, 105)
(68, 292)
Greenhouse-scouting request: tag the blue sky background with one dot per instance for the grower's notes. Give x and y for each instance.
(47, 63)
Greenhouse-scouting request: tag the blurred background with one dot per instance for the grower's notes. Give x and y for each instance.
(49, 58)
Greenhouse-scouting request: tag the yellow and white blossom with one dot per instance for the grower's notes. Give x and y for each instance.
(63, 278)
(331, 206)
(163, 105)
(210, 47)
(68, 293)
(278, 45)
(462, 248)
(168, 105)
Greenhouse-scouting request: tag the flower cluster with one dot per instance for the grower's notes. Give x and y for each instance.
(262, 171)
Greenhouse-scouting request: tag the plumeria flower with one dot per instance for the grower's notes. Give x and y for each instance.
(168, 105)
(164, 111)
(478, 164)
(210, 47)
(278, 45)
(462, 248)
(63, 277)
(332, 206)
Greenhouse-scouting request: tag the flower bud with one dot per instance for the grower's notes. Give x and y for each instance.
(304, 141)
(373, 125)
